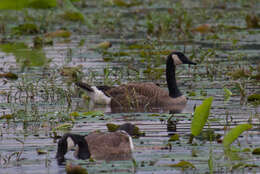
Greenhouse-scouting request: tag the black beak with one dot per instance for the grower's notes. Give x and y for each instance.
(187, 61)
(191, 63)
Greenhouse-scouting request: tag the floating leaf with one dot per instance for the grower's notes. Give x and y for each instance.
(26, 28)
(71, 71)
(73, 16)
(39, 42)
(58, 33)
(183, 165)
(93, 113)
(103, 45)
(154, 115)
(234, 133)
(7, 116)
(25, 55)
(65, 126)
(20, 4)
(74, 114)
(200, 116)
(112, 127)
(256, 151)
(174, 137)
(204, 28)
(252, 21)
(123, 3)
(242, 166)
(42, 4)
(253, 98)
(9, 75)
(68, 6)
(40, 152)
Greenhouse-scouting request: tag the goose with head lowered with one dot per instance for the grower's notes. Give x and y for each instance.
(97, 145)
(146, 94)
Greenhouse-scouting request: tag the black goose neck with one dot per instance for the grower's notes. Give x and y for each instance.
(174, 92)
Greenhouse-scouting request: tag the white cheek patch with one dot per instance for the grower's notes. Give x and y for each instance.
(70, 144)
(130, 139)
(131, 143)
(99, 97)
(176, 59)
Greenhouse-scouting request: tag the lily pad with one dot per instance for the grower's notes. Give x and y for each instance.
(65, 126)
(183, 165)
(93, 113)
(256, 151)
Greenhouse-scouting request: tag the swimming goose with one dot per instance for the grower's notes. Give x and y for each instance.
(97, 145)
(142, 94)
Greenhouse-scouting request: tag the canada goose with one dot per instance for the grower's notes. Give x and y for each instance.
(142, 94)
(98, 145)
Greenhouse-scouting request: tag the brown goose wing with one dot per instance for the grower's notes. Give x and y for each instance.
(109, 145)
(137, 93)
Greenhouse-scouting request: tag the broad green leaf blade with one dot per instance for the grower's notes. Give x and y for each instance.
(200, 116)
(13, 4)
(20, 4)
(234, 133)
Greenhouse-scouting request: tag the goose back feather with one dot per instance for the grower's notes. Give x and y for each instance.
(109, 145)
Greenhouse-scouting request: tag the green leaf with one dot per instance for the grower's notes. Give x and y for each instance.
(234, 133)
(227, 94)
(42, 4)
(13, 4)
(256, 151)
(20, 4)
(93, 113)
(112, 127)
(183, 165)
(25, 55)
(200, 116)
(174, 137)
(65, 126)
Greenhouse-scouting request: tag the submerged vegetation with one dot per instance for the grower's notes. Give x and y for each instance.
(47, 45)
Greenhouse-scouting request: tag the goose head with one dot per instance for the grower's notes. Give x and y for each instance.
(179, 58)
(71, 141)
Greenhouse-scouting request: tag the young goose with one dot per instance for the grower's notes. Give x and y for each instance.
(98, 145)
(142, 94)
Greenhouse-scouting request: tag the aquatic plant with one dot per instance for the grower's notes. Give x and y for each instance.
(25, 55)
(234, 133)
(18, 5)
(200, 117)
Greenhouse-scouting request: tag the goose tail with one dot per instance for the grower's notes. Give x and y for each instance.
(96, 94)
(84, 86)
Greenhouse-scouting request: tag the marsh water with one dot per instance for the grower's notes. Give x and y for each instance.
(221, 36)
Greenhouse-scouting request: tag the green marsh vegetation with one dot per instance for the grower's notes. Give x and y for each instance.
(45, 45)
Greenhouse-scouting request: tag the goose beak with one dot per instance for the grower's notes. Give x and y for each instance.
(190, 62)
(187, 61)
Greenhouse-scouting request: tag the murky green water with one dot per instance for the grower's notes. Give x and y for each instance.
(141, 35)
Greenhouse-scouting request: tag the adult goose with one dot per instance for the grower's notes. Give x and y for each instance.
(142, 94)
(98, 145)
